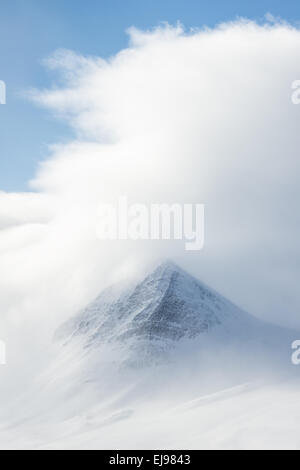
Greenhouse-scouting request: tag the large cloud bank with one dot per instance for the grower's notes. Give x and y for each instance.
(204, 117)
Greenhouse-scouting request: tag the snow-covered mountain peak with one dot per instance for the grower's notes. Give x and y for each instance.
(167, 305)
(164, 311)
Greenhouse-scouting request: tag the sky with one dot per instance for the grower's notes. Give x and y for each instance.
(203, 117)
(31, 30)
(160, 114)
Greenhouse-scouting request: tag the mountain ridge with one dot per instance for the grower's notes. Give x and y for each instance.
(168, 305)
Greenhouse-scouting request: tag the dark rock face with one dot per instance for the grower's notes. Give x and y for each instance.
(167, 305)
(173, 320)
(151, 318)
(175, 314)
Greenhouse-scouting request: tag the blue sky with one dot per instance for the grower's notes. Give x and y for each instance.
(30, 30)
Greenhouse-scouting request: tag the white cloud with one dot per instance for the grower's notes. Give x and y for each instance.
(202, 117)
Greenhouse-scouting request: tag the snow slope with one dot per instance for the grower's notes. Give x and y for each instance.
(165, 362)
(159, 313)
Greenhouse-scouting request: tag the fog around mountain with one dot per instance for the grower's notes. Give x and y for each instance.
(159, 362)
(160, 359)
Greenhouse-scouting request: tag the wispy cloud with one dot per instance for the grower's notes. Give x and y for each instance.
(202, 117)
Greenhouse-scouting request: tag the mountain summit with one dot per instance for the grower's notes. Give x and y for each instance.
(157, 312)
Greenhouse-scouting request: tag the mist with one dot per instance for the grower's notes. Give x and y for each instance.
(203, 117)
